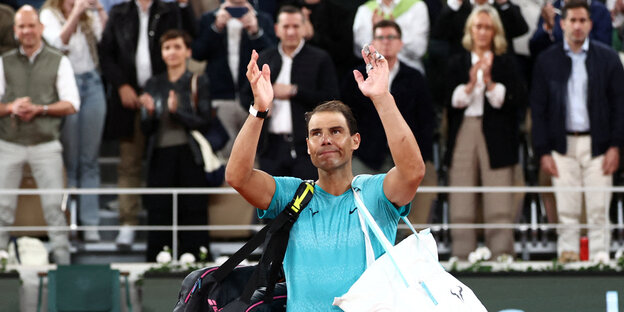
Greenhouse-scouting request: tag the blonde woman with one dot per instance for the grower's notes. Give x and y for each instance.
(75, 27)
(483, 99)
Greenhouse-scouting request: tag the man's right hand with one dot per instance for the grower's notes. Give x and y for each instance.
(548, 165)
(548, 15)
(128, 97)
(147, 101)
(260, 82)
(222, 16)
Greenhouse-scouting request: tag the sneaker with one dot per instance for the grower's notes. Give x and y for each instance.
(91, 236)
(125, 238)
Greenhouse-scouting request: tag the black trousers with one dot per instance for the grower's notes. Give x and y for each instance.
(174, 167)
(278, 159)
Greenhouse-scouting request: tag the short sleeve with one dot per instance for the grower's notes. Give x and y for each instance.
(285, 188)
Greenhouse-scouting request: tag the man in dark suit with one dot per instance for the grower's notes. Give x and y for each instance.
(303, 76)
(549, 29)
(577, 106)
(130, 54)
(226, 42)
(373, 156)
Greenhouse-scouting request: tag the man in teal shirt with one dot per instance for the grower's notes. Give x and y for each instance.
(326, 250)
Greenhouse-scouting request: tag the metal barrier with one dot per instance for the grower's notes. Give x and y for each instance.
(532, 225)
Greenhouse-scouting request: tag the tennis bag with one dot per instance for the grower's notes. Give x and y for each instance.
(234, 288)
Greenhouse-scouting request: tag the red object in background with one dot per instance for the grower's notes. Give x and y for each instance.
(584, 250)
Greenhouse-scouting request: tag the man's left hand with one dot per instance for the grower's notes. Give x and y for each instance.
(611, 161)
(376, 84)
(250, 22)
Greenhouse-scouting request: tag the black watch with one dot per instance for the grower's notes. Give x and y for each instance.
(254, 112)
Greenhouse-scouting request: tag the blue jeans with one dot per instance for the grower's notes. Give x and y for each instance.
(81, 137)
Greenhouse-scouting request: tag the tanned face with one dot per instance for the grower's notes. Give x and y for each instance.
(329, 143)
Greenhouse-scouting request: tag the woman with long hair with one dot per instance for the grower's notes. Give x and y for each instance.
(483, 98)
(75, 27)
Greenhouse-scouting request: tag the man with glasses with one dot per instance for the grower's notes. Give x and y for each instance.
(412, 16)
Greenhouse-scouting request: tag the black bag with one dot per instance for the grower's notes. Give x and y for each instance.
(230, 288)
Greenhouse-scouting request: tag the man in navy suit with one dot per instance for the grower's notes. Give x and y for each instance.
(577, 106)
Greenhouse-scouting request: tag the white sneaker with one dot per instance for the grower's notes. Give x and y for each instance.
(91, 236)
(125, 238)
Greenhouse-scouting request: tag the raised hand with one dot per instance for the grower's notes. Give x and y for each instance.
(260, 82)
(376, 84)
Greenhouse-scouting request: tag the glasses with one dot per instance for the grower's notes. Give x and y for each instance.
(389, 37)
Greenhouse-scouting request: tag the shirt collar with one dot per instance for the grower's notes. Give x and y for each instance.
(584, 47)
(297, 50)
(34, 55)
(139, 5)
(394, 3)
(490, 2)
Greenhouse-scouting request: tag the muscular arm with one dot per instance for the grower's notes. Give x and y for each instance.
(403, 179)
(256, 186)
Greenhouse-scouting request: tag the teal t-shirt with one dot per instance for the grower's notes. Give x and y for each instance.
(326, 250)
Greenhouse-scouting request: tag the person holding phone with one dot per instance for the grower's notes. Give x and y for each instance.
(227, 37)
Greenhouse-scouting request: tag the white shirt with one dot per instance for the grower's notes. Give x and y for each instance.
(456, 4)
(577, 117)
(143, 59)
(65, 82)
(414, 25)
(281, 117)
(474, 101)
(234, 34)
(77, 49)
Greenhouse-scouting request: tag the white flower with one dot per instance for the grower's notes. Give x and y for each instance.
(601, 257)
(221, 260)
(453, 260)
(505, 259)
(473, 257)
(203, 250)
(4, 255)
(619, 253)
(483, 253)
(163, 257)
(187, 258)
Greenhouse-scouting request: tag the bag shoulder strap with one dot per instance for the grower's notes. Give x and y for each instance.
(276, 245)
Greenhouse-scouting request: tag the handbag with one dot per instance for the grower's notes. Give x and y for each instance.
(231, 288)
(210, 141)
(407, 277)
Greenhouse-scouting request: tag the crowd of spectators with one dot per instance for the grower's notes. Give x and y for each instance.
(461, 72)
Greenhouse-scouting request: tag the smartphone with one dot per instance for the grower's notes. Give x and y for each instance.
(237, 11)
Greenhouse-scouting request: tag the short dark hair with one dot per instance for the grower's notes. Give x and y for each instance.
(334, 106)
(575, 4)
(174, 34)
(387, 23)
(289, 9)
